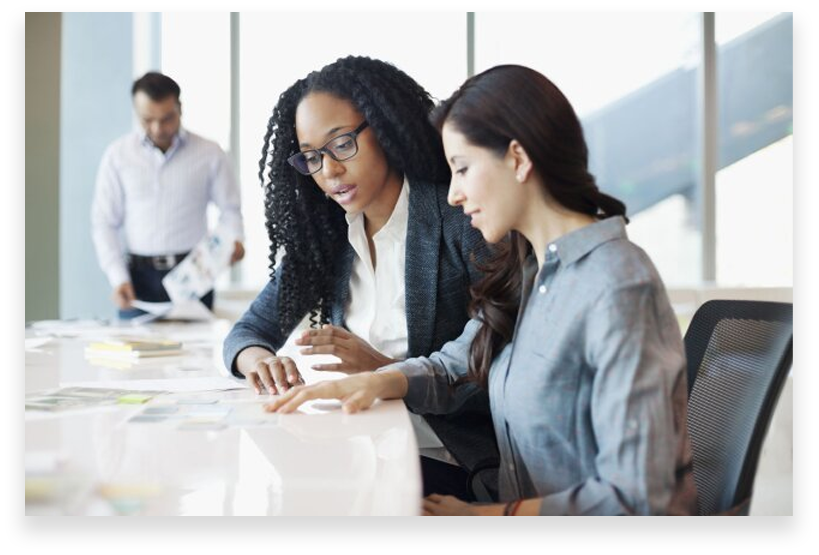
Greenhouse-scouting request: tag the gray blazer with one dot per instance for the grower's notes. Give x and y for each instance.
(439, 271)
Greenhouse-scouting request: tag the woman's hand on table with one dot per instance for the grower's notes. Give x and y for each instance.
(356, 354)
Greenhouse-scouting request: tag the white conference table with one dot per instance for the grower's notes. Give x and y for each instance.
(318, 461)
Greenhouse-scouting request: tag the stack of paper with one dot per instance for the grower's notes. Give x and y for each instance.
(133, 348)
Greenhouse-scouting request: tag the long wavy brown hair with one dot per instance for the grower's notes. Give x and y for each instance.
(490, 110)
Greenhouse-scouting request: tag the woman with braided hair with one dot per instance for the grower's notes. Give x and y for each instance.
(362, 239)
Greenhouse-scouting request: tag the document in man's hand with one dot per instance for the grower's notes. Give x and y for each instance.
(195, 276)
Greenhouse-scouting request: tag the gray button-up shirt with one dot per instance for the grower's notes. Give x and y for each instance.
(589, 398)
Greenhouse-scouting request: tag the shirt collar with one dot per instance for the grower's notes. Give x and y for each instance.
(179, 139)
(575, 245)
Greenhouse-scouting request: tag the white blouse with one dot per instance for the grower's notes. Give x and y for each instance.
(376, 308)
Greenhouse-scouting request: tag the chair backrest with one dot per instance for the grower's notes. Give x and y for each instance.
(739, 355)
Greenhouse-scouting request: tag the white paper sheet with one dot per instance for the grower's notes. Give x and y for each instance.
(178, 385)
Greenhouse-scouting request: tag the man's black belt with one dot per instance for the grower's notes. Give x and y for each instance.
(160, 262)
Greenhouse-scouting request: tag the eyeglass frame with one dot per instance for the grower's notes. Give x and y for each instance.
(324, 150)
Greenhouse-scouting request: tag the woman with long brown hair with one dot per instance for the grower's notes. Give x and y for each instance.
(572, 334)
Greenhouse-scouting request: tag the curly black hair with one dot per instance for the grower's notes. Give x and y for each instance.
(300, 219)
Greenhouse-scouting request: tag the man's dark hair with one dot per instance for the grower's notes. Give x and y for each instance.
(157, 86)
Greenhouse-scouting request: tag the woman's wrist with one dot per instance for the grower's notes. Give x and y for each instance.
(248, 357)
(488, 510)
(391, 384)
(511, 508)
(384, 362)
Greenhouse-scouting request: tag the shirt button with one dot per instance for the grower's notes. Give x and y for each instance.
(511, 467)
(552, 248)
(542, 289)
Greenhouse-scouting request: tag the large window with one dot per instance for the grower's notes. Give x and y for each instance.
(754, 185)
(196, 52)
(632, 81)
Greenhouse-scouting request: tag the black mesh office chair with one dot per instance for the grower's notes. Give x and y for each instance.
(739, 355)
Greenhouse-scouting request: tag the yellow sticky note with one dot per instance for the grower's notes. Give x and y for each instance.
(133, 399)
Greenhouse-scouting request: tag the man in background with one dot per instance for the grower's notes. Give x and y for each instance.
(152, 192)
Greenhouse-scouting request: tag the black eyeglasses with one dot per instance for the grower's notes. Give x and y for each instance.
(339, 148)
